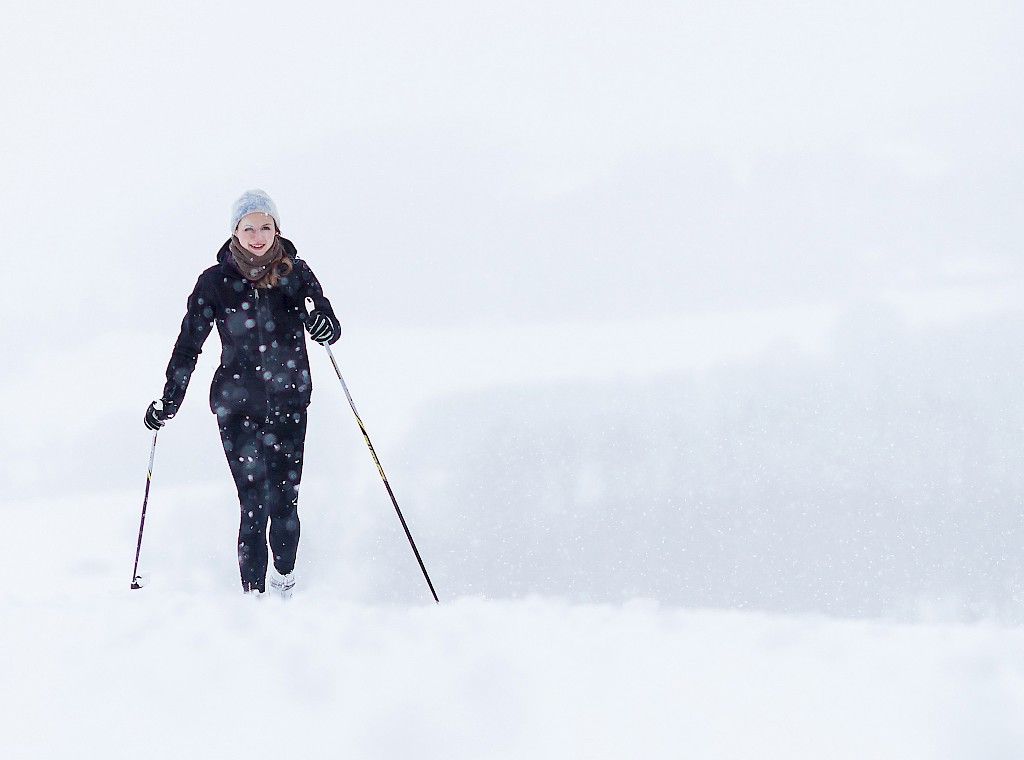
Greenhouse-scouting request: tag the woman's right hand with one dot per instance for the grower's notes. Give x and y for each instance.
(321, 329)
(156, 417)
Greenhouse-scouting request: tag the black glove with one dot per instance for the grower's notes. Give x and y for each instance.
(156, 415)
(320, 328)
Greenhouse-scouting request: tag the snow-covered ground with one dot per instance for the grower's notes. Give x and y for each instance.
(166, 673)
(360, 663)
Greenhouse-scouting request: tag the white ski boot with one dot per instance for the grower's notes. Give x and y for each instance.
(281, 585)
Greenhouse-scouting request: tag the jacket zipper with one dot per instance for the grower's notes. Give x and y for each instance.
(266, 394)
(263, 353)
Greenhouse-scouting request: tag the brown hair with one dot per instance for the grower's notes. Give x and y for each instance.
(281, 269)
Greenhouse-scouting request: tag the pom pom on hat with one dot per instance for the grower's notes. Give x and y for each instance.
(251, 202)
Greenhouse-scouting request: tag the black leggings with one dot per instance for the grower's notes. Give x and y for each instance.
(265, 457)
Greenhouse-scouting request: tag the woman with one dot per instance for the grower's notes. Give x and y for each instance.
(256, 295)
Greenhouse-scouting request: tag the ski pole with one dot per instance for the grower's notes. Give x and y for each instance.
(142, 522)
(380, 469)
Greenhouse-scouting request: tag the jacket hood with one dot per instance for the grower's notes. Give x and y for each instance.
(224, 254)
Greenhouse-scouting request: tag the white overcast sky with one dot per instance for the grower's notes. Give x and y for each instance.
(507, 162)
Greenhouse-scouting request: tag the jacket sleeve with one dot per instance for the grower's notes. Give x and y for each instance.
(311, 288)
(195, 329)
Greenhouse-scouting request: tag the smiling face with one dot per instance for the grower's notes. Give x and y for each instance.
(256, 232)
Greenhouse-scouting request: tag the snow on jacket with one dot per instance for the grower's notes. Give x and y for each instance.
(263, 362)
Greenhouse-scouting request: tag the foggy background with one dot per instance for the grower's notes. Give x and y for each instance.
(714, 305)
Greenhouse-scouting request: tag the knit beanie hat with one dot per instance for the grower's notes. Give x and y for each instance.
(251, 202)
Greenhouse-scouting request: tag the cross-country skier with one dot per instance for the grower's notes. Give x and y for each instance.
(256, 295)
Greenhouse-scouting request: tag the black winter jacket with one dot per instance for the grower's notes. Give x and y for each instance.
(263, 363)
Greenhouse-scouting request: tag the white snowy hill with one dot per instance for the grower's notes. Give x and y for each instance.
(550, 641)
(91, 669)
